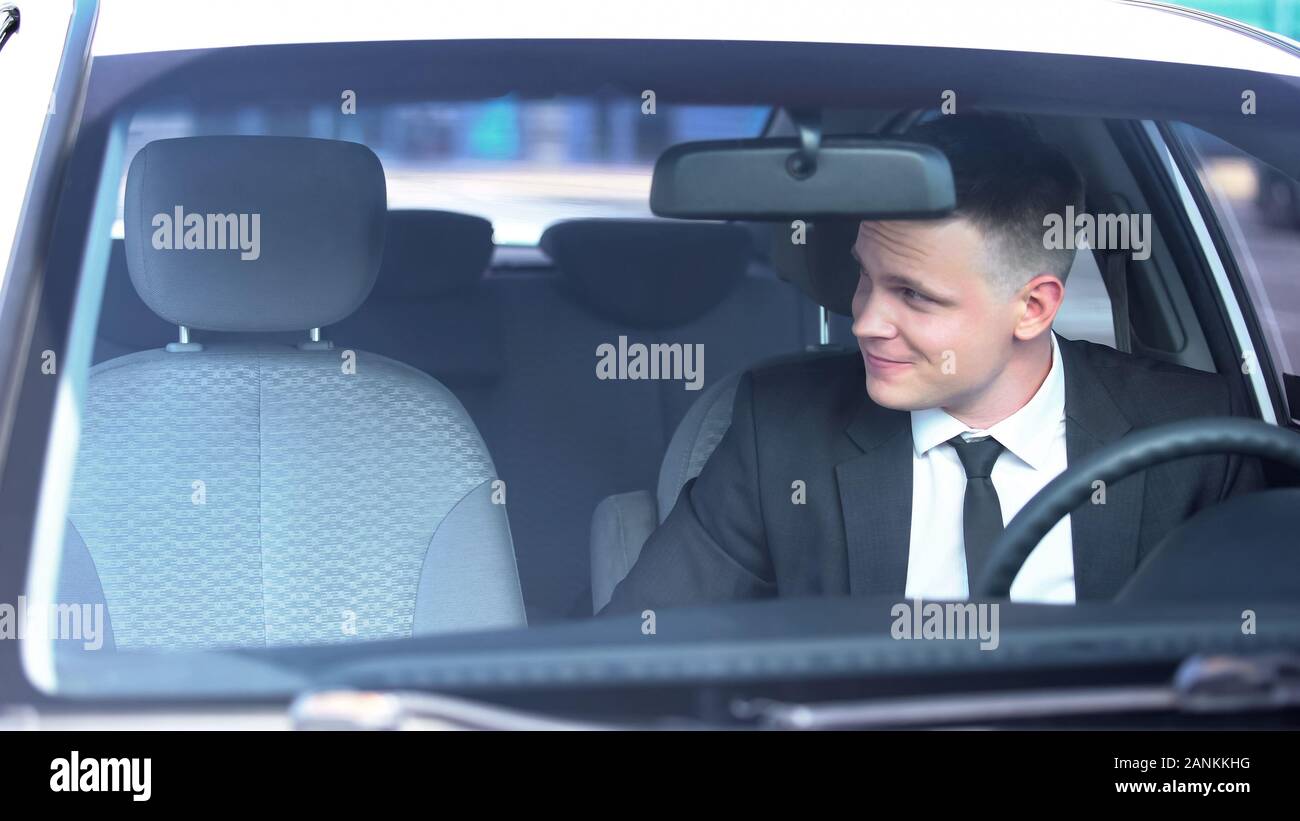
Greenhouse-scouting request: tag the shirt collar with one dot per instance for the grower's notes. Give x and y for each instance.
(1027, 433)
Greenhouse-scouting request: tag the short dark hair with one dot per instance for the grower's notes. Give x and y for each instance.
(1007, 181)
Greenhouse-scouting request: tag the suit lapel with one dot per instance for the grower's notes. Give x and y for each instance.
(876, 499)
(1104, 536)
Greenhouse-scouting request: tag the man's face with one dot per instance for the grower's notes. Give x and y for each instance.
(933, 330)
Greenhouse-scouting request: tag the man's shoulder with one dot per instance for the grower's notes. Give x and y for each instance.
(1149, 390)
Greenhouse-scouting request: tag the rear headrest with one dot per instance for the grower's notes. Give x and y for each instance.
(649, 273)
(254, 233)
(433, 253)
(823, 266)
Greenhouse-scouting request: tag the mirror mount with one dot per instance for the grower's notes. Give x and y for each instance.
(803, 163)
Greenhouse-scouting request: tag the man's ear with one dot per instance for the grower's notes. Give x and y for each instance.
(1041, 298)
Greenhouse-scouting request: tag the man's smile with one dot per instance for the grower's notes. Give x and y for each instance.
(879, 365)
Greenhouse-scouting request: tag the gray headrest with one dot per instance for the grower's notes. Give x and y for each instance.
(254, 233)
(433, 253)
(649, 273)
(822, 267)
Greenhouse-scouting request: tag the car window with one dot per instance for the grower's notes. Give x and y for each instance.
(1258, 208)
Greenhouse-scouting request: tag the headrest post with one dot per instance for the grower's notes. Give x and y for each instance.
(184, 344)
(314, 342)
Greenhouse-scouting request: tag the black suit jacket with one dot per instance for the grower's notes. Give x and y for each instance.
(735, 532)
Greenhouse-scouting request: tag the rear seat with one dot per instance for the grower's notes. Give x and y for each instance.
(564, 439)
(126, 324)
(428, 307)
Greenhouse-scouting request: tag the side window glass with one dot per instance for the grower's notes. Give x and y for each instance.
(1258, 208)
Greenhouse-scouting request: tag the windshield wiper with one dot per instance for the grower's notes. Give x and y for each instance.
(1202, 684)
(9, 18)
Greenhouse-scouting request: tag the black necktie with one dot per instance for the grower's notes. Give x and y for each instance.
(982, 513)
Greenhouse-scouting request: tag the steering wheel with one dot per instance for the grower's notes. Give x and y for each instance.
(1138, 451)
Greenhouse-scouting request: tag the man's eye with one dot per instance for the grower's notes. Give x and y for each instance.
(910, 294)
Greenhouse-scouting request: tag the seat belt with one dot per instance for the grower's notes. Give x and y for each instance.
(1115, 277)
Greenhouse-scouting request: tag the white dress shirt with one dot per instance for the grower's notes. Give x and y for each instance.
(1034, 442)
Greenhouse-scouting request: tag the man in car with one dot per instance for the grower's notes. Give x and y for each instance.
(891, 471)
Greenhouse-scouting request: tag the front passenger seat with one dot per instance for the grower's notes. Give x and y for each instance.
(249, 494)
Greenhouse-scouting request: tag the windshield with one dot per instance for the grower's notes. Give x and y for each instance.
(402, 383)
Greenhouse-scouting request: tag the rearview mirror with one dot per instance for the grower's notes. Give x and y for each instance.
(779, 179)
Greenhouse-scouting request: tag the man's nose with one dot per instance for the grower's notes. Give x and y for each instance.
(872, 319)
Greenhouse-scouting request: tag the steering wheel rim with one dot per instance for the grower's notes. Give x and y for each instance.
(1140, 450)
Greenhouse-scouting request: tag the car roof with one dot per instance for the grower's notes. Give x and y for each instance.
(1124, 29)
